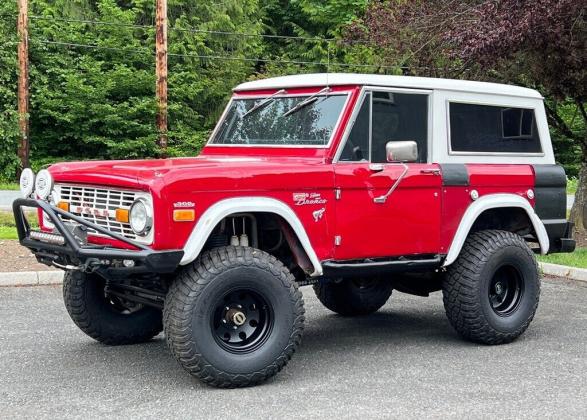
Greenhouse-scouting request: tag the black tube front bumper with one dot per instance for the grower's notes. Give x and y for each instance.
(73, 252)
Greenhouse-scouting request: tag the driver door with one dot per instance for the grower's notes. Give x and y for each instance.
(407, 221)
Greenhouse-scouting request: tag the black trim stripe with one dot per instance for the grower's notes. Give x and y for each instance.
(550, 191)
(454, 174)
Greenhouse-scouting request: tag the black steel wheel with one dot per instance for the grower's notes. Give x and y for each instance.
(353, 297)
(491, 291)
(234, 317)
(242, 321)
(505, 290)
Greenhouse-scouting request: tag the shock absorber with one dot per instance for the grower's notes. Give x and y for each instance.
(244, 239)
(234, 239)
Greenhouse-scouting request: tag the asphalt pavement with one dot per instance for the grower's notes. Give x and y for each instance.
(6, 199)
(404, 361)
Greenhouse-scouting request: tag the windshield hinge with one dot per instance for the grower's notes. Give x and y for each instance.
(337, 193)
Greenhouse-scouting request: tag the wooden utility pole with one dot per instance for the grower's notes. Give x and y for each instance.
(23, 82)
(161, 71)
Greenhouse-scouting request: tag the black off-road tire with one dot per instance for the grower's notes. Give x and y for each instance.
(96, 316)
(354, 297)
(199, 294)
(469, 288)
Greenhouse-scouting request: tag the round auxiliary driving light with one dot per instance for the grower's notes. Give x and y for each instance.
(27, 182)
(43, 184)
(140, 217)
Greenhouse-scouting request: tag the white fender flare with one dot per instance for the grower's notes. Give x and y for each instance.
(491, 202)
(214, 214)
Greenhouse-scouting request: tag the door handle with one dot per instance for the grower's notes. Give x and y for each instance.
(376, 167)
(430, 171)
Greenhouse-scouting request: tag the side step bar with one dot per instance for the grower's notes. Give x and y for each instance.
(369, 267)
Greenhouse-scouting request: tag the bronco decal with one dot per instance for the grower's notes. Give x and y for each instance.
(304, 199)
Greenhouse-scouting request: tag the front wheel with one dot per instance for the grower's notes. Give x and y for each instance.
(491, 291)
(107, 319)
(234, 317)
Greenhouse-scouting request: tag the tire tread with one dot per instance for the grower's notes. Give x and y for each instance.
(190, 284)
(93, 325)
(460, 294)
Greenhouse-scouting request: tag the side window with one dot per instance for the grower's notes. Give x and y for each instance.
(399, 117)
(394, 117)
(357, 144)
(493, 129)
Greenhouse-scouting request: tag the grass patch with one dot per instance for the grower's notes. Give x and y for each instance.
(575, 259)
(7, 232)
(7, 219)
(8, 225)
(572, 186)
(9, 186)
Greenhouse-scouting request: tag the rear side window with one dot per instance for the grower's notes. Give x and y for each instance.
(493, 129)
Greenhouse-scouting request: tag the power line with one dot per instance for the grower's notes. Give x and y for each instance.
(93, 46)
(269, 36)
(91, 22)
(174, 28)
(217, 57)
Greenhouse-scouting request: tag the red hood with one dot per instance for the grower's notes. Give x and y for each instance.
(148, 174)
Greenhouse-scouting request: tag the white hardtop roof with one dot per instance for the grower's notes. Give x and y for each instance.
(337, 79)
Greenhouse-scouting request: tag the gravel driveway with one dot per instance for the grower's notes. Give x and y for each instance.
(404, 361)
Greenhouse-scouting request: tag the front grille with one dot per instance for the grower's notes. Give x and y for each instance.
(84, 199)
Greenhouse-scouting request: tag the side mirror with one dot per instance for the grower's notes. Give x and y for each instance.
(401, 151)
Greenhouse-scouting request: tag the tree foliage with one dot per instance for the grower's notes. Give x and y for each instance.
(93, 84)
(8, 115)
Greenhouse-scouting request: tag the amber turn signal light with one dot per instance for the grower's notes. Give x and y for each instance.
(63, 205)
(184, 215)
(122, 215)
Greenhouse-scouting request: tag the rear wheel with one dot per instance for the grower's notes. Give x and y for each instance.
(491, 291)
(360, 296)
(107, 319)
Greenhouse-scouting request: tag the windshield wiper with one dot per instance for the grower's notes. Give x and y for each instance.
(306, 101)
(263, 103)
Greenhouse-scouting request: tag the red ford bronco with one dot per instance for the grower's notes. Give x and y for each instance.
(354, 184)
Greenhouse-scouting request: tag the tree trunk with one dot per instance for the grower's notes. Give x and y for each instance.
(578, 212)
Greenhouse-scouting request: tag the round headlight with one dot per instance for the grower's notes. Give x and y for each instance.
(140, 217)
(27, 182)
(43, 184)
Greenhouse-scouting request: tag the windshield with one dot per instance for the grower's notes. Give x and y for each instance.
(270, 123)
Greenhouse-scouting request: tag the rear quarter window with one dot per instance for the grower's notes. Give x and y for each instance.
(493, 129)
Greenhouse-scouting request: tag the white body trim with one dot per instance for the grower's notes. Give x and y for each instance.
(211, 217)
(441, 93)
(338, 79)
(491, 202)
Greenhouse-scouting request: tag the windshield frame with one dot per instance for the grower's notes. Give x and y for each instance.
(240, 96)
